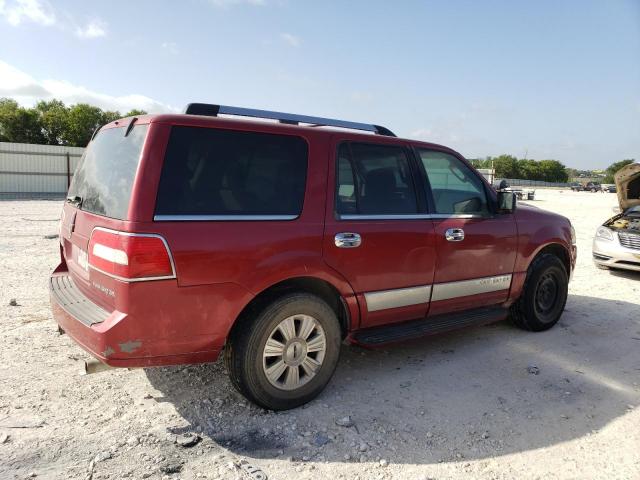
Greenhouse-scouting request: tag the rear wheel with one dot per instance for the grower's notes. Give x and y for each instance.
(544, 295)
(285, 355)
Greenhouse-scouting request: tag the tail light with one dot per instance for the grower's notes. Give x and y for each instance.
(130, 256)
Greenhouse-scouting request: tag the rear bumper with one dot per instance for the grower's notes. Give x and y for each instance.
(610, 253)
(115, 338)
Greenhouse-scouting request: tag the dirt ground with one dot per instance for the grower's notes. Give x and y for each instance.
(485, 403)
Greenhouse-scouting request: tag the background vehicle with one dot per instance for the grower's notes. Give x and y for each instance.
(617, 241)
(587, 187)
(521, 194)
(187, 235)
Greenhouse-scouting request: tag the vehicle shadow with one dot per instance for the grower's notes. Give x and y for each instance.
(470, 394)
(630, 274)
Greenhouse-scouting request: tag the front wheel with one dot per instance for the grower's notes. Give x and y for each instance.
(285, 355)
(544, 295)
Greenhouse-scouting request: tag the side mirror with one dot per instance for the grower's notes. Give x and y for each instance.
(503, 185)
(506, 202)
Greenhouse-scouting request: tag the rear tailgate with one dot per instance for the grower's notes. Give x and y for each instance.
(99, 196)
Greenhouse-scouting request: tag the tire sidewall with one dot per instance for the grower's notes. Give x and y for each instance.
(554, 266)
(266, 322)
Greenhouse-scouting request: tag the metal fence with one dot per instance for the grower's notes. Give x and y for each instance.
(520, 182)
(36, 171)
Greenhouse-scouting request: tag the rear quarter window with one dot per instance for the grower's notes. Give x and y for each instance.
(231, 173)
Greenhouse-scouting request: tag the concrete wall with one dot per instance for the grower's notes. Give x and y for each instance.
(36, 171)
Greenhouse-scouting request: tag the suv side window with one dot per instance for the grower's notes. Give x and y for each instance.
(374, 180)
(455, 188)
(213, 172)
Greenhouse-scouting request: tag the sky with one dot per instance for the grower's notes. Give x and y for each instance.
(541, 79)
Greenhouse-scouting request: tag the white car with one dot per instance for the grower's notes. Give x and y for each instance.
(617, 241)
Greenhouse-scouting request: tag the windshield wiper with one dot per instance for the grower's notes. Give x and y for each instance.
(75, 200)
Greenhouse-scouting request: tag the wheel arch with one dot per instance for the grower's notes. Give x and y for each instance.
(307, 284)
(557, 249)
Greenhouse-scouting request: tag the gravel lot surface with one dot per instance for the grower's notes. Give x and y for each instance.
(484, 403)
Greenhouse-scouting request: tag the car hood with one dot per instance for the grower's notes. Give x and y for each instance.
(628, 185)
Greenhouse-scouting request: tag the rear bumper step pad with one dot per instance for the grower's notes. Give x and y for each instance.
(74, 302)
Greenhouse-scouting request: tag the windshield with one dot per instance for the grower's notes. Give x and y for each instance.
(103, 180)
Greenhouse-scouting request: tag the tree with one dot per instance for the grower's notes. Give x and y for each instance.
(529, 169)
(19, 125)
(135, 113)
(82, 121)
(506, 166)
(480, 163)
(553, 171)
(8, 110)
(54, 121)
(572, 173)
(110, 116)
(614, 167)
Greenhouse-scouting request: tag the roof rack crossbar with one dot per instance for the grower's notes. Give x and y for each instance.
(287, 118)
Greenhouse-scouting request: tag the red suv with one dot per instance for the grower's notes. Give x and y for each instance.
(185, 236)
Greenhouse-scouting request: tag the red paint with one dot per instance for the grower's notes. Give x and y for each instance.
(221, 266)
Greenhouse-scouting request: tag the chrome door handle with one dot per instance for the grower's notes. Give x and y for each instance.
(454, 234)
(347, 240)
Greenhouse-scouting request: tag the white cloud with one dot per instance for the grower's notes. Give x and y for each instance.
(27, 90)
(35, 11)
(171, 47)
(93, 29)
(292, 40)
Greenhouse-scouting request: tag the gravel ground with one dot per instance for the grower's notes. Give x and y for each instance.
(485, 403)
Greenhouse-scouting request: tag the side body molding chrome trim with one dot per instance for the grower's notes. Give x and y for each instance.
(401, 297)
(445, 291)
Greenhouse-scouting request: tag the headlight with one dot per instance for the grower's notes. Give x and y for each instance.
(573, 235)
(605, 233)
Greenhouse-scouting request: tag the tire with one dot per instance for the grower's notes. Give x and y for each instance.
(284, 323)
(544, 295)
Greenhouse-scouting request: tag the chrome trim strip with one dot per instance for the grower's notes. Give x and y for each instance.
(400, 297)
(131, 280)
(222, 218)
(413, 216)
(129, 234)
(445, 291)
(385, 217)
(457, 215)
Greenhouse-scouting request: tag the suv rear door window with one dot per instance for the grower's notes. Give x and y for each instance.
(231, 173)
(105, 174)
(455, 188)
(374, 180)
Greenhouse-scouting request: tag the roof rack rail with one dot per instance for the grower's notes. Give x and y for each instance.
(211, 110)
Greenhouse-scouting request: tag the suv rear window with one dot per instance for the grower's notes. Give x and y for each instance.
(223, 172)
(105, 174)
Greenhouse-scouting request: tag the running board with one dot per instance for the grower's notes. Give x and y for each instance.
(428, 326)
